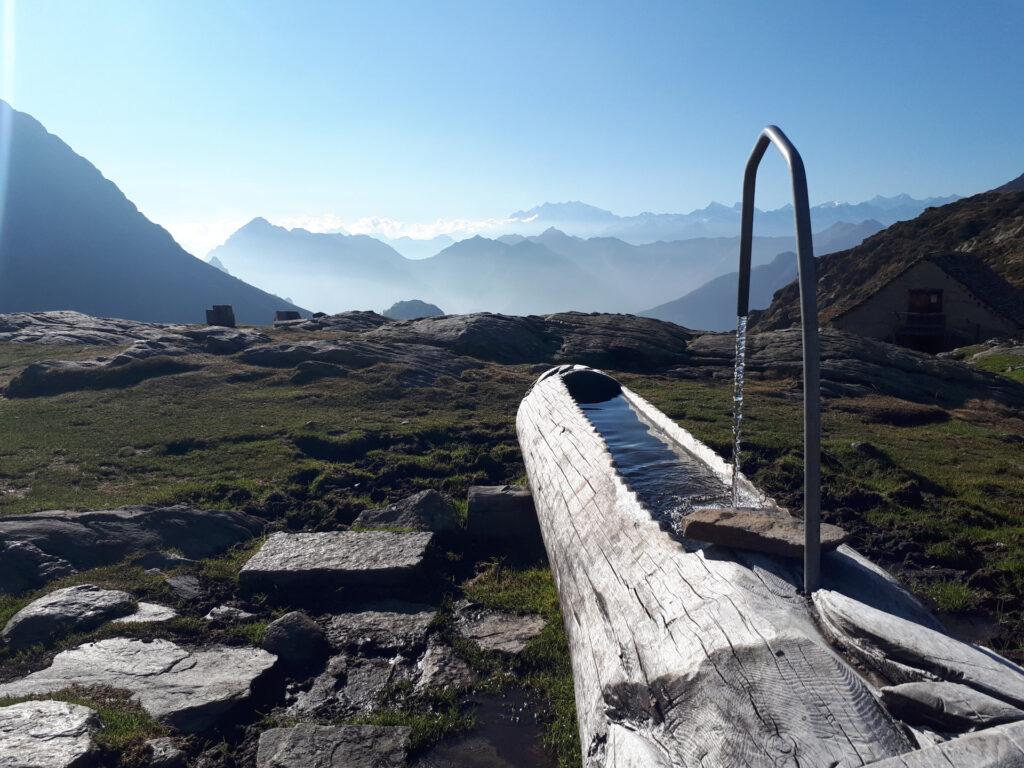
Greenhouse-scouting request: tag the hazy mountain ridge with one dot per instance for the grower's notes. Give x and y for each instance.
(70, 239)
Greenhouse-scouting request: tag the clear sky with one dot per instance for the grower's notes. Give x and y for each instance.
(209, 113)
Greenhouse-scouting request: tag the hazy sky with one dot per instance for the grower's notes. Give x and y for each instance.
(209, 113)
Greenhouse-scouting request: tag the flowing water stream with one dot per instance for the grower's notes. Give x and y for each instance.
(737, 403)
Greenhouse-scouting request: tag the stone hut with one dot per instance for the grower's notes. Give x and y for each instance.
(939, 302)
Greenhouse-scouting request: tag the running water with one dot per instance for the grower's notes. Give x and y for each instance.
(737, 404)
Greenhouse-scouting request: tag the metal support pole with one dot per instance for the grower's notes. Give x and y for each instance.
(809, 324)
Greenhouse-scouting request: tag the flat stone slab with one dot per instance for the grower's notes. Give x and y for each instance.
(424, 511)
(391, 626)
(187, 690)
(496, 630)
(50, 734)
(71, 609)
(756, 530)
(440, 667)
(339, 746)
(148, 613)
(375, 560)
(947, 707)
(349, 686)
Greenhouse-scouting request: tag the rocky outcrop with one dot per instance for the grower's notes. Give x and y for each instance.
(354, 321)
(776, 534)
(389, 627)
(338, 746)
(853, 365)
(88, 539)
(493, 630)
(424, 511)
(52, 377)
(46, 734)
(71, 609)
(368, 561)
(187, 690)
(67, 328)
(486, 336)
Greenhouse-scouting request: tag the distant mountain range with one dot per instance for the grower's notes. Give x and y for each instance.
(69, 239)
(514, 274)
(716, 220)
(989, 225)
(712, 306)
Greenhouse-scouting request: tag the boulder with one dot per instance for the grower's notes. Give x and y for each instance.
(185, 586)
(424, 511)
(370, 561)
(187, 690)
(46, 734)
(947, 707)
(148, 613)
(441, 667)
(493, 630)
(295, 639)
(350, 686)
(228, 614)
(333, 746)
(502, 518)
(165, 753)
(88, 539)
(757, 530)
(71, 609)
(389, 627)
(23, 566)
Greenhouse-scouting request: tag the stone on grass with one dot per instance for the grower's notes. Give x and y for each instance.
(947, 707)
(187, 690)
(493, 630)
(333, 746)
(757, 530)
(165, 753)
(46, 734)
(148, 613)
(424, 511)
(228, 614)
(388, 627)
(71, 609)
(295, 639)
(349, 686)
(23, 566)
(502, 518)
(440, 667)
(371, 560)
(185, 586)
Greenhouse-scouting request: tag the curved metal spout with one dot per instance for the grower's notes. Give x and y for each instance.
(809, 324)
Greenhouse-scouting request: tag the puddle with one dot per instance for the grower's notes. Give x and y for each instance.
(669, 480)
(506, 736)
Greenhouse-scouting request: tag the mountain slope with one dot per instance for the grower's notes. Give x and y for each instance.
(989, 225)
(69, 239)
(712, 305)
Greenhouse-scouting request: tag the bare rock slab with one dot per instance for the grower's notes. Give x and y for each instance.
(371, 560)
(342, 746)
(496, 630)
(72, 609)
(148, 613)
(774, 534)
(350, 686)
(46, 734)
(187, 690)
(391, 626)
(424, 511)
(947, 707)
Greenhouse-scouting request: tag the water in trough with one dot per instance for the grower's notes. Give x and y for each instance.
(669, 480)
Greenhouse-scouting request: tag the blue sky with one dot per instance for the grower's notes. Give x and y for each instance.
(209, 113)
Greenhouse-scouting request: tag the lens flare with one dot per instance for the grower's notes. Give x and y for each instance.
(7, 93)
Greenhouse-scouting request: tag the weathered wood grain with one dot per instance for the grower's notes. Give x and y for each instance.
(999, 747)
(684, 656)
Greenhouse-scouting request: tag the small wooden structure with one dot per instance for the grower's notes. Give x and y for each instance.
(696, 655)
(221, 314)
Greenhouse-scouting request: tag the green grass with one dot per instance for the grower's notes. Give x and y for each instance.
(431, 716)
(950, 596)
(1009, 365)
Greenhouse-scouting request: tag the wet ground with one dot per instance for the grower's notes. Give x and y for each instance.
(506, 735)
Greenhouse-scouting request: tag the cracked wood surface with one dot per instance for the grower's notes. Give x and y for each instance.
(684, 656)
(999, 747)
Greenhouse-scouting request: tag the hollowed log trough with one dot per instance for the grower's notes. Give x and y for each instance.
(686, 654)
